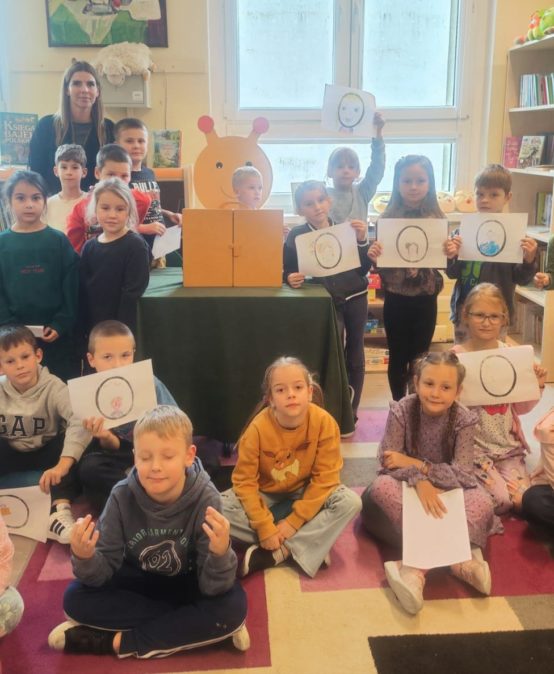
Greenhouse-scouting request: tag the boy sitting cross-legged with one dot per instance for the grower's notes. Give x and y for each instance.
(109, 456)
(157, 574)
(38, 431)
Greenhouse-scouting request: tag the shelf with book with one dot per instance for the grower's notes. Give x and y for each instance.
(529, 153)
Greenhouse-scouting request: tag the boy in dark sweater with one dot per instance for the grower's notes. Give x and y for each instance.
(157, 574)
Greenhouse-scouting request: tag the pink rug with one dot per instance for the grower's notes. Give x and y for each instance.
(370, 426)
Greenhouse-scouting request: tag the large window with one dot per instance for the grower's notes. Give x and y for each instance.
(424, 60)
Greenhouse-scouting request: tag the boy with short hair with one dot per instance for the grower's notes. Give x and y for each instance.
(38, 430)
(109, 456)
(492, 187)
(70, 167)
(157, 575)
(247, 184)
(112, 161)
(350, 197)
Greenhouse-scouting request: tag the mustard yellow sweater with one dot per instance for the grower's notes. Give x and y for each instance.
(278, 460)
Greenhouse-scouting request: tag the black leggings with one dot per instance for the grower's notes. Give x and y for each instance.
(409, 324)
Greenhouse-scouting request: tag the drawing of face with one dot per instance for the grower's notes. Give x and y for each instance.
(351, 110)
(327, 250)
(289, 395)
(114, 398)
(491, 238)
(412, 244)
(498, 376)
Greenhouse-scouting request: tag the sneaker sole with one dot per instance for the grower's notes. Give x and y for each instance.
(56, 638)
(241, 639)
(407, 600)
(245, 566)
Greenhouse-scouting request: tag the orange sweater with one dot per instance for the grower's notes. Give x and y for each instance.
(277, 460)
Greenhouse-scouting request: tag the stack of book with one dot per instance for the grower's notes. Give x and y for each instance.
(527, 151)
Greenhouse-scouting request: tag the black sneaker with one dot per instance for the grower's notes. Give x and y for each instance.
(72, 638)
(256, 559)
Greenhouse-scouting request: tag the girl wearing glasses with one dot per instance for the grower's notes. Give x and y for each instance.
(500, 445)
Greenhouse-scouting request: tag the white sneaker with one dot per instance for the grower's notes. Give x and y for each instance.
(61, 524)
(241, 638)
(474, 572)
(56, 638)
(407, 584)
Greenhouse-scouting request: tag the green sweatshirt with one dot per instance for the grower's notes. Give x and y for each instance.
(38, 279)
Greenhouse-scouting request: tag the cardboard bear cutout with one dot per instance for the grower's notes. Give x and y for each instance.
(216, 163)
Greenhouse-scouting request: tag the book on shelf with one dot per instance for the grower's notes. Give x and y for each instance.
(542, 259)
(543, 209)
(16, 129)
(531, 151)
(536, 89)
(510, 153)
(167, 148)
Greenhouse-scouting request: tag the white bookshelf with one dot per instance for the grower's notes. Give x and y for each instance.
(534, 322)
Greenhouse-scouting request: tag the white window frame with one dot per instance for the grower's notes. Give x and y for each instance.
(465, 123)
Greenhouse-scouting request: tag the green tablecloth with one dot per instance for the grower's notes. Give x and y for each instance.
(210, 347)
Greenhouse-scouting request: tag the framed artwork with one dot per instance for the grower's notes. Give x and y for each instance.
(97, 23)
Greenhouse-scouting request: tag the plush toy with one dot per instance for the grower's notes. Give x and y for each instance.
(546, 25)
(117, 61)
(446, 202)
(540, 24)
(465, 201)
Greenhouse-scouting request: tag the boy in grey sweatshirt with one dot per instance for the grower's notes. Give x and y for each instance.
(157, 574)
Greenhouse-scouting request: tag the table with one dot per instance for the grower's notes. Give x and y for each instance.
(210, 347)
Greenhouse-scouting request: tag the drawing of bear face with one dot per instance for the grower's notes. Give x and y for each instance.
(215, 165)
(161, 558)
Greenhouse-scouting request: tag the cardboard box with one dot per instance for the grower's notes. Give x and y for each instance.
(224, 248)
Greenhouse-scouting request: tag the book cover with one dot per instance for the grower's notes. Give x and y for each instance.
(167, 148)
(16, 129)
(531, 151)
(510, 155)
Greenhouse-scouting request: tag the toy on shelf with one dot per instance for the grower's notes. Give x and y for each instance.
(117, 61)
(465, 201)
(540, 25)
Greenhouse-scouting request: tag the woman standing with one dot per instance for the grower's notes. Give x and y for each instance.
(80, 120)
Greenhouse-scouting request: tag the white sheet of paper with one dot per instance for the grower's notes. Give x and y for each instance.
(37, 330)
(429, 542)
(412, 242)
(120, 395)
(497, 376)
(26, 511)
(492, 237)
(328, 251)
(347, 110)
(167, 242)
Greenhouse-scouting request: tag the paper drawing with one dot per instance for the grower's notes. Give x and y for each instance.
(26, 511)
(492, 238)
(328, 251)
(114, 398)
(498, 376)
(347, 110)
(416, 242)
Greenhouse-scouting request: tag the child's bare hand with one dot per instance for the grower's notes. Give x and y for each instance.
(216, 527)
(176, 218)
(541, 280)
(430, 499)
(374, 251)
(84, 537)
(540, 374)
(393, 460)
(452, 247)
(295, 279)
(95, 426)
(152, 228)
(52, 477)
(49, 334)
(378, 123)
(529, 247)
(285, 529)
(272, 542)
(361, 230)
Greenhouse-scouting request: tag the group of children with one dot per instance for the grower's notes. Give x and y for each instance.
(156, 573)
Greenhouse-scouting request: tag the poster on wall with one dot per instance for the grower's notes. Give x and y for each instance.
(97, 23)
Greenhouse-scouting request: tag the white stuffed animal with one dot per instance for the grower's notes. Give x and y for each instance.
(117, 61)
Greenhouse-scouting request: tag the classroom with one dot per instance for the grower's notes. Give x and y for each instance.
(316, 241)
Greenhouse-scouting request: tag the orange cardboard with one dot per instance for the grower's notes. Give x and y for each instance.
(258, 248)
(207, 248)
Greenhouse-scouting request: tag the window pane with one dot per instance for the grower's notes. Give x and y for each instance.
(296, 162)
(410, 52)
(285, 52)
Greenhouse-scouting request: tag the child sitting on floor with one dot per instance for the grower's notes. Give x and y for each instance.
(428, 443)
(38, 429)
(109, 456)
(157, 574)
(287, 499)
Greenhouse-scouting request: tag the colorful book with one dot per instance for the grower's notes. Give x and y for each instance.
(16, 129)
(510, 155)
(167, 148)
(531, 151)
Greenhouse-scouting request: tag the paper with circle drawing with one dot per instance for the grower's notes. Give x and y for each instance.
(167, 242)
(429, 542)
(328, 251)
(26, 511)
(492, 237)
(348, 111)
(498, 376)
(412, 243)
(120, 395)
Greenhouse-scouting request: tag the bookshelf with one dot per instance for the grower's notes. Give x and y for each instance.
(534, 309)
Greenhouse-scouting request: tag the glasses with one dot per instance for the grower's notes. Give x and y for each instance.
(494, 319)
